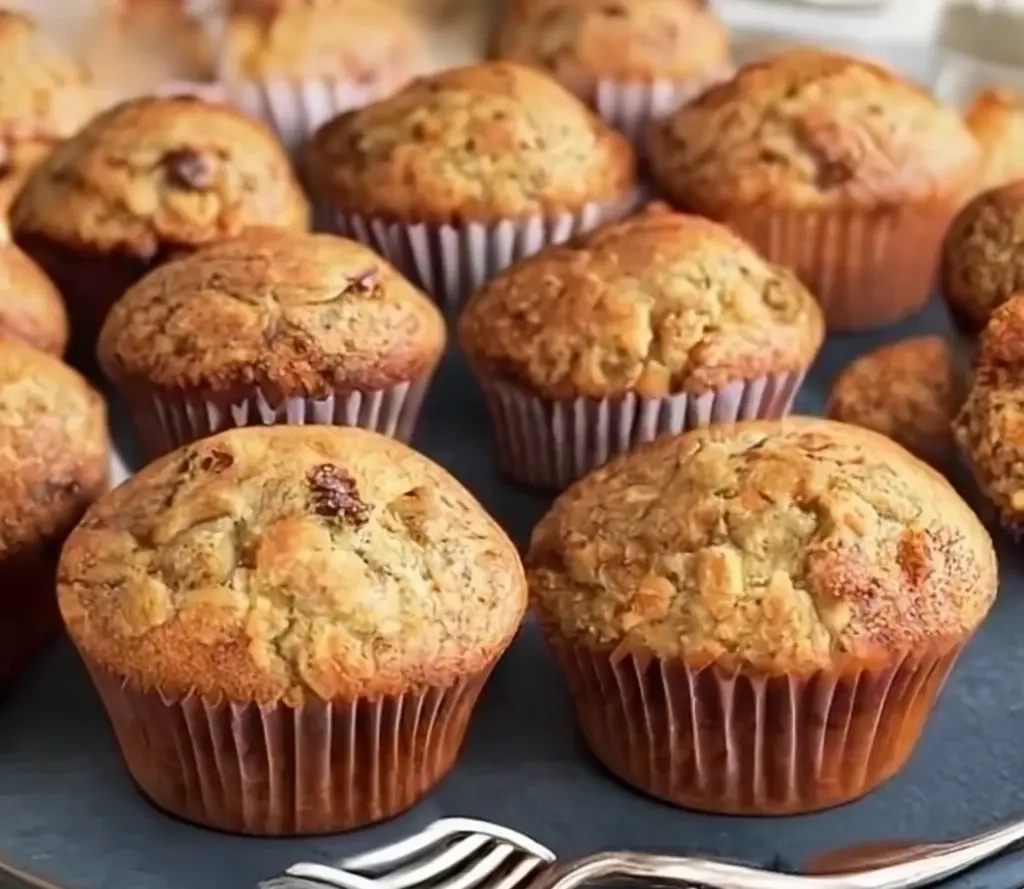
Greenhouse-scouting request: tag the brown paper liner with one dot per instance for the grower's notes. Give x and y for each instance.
(740, 742)
(277, 770)
(29, 616)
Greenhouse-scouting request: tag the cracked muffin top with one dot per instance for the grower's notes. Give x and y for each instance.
(784, 546)
(476, 143)
(298, 312)
(286, 563)
(996, 117)
(157, 174)
(811, 129)
(579, 42)
(983, 255)
(658, 303)
(31, 309)
(54, 449)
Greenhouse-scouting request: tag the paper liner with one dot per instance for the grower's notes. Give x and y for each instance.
(277, 770)
(450, 261)
(166, 421)
(739, 742)
(29, 616)
(547, 443)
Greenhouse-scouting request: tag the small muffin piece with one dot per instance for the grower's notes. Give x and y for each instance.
(31, 309)
(983, 256)
(906, 391)
(145, 181)
(634, 61)
(463, 152)
(764, 594)
(326, 588)
(996, 117)
(272, 327)
(45, 96)
(832, 166)
(650, 325)
(54, 458)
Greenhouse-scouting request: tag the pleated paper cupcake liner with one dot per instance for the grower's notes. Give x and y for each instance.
(166, 421)
(451, 261)
(275, 770)
(547, 443)
(740, 742)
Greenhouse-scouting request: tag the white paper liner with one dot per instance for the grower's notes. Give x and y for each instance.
(546, 443)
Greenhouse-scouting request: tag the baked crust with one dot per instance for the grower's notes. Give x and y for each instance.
(655, 304)
(786, 547)
(285, 563)
(996, 117)
(31, 309)
(484, 142)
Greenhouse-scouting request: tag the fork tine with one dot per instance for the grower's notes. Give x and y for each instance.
(323, 875)
(524, 843)
(482, 870)
(402, 850)
(518, 874)
(430, 868)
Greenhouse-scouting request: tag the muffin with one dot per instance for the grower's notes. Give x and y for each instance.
(272, 327)
(906, 391)
(31, 309)
(996, 117)
(830, 165)
(757, 618)
(289, 627)
(54, 457)
(145, 181)
(633, 61)
(45, 96)
(460, 174)
(656, 324)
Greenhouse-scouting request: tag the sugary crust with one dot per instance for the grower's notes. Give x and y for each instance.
(580, 42)
(782, 546)
(54, 449)
(983, 255)
(284, 563)
(155, 174)
(296, 313)
(996, 117)
(31, 309)
(483, 143)
(809, 129)
(655, 304)
(905, 391)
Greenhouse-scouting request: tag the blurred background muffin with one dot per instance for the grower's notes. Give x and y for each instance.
(787, 597)
(320, 606)
(145, 181)
(633, 60)
(464, 172)
(830, 165)
(652, 325)
(31, 309)
(996, 117)
(272, 327)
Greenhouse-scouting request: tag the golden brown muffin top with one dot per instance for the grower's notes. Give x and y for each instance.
(299, 313)
(282, 563)
(983, 255)
(810, 128)
(996, 117)
(31, 309)
(362, 41)
(54, 450)
(784, 546)
(580, 42)
(658, 303)
(476, 143)
(905, 391)
(154, 174)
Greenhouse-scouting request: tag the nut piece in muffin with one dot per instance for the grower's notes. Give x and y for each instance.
(906, 391)
(741, 610)
(830, 165)
(651, 325)
(633, 61)
(145, 181)
(45, 96)
(54, 458)
(996, 117)
(983, 256)
(31, 309)
(272, 327)
(321, 606)
(463, 172)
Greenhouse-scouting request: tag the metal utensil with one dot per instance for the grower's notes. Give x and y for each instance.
(13, 877)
